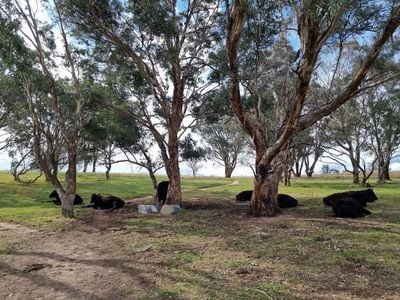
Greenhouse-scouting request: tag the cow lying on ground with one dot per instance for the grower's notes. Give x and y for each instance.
(284, 201)
(349, 208)
(162, 190)
(244, 196)
(78, 199)
(106, 202)
(362, 197)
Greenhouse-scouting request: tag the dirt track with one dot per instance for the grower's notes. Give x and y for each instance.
(89, 263)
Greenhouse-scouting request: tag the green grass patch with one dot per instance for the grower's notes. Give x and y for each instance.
(183, 258)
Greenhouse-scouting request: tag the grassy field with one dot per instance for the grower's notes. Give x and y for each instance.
(213, 250)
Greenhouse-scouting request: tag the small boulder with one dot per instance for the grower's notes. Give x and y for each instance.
(147, 209)
(170, 209)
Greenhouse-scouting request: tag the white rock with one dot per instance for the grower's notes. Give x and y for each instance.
(147, 209)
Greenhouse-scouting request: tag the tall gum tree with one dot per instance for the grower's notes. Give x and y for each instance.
(383, 112)
(318, 23)
(348, 132)
(38, 35)
(167, 43)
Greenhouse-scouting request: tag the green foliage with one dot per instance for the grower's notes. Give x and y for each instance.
(190, 151)
(106, 127)
(13, 51)
(192, 154)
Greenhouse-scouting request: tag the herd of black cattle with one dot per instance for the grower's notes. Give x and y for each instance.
(349, 204)
(97, 201)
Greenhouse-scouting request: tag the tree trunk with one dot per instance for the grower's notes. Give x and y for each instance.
(174, 189)
(108, 169)
(310, 167)
(67, 205)
(264, 200)
(155, 191)
(85, 165)
(381, 169)
(228, 171)
(287, 177)
(356, 177)
(174, 195)
(298, 168)
(67, 198)
(194, 172)
(94, 163)
(386, 174)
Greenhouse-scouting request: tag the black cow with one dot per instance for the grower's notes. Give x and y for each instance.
(162, 191)
(78, 199)
(106, 202)
(349, 208)
(244, 196)
(284, 201)
(362, 197)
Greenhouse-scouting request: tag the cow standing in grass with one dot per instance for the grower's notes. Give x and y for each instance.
(162, 191)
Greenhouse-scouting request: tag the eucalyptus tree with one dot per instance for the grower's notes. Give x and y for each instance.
(349, 132)
(305, 149)
(33, 35)
(383, 113)
(321, 26)
(144, 155)
(108, 131)
(167, 44)
(192, 154)
(226, 141)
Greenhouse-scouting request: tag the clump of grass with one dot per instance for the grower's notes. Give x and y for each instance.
(182, 258)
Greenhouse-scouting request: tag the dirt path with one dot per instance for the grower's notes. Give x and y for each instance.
(91, 262)
(213, 187)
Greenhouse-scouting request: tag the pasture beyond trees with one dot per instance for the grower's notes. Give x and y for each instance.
(211, 250)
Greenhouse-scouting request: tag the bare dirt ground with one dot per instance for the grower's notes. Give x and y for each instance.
(84, 260)
(90, 259)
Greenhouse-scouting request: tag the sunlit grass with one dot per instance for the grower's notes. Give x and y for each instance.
(22, 202)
